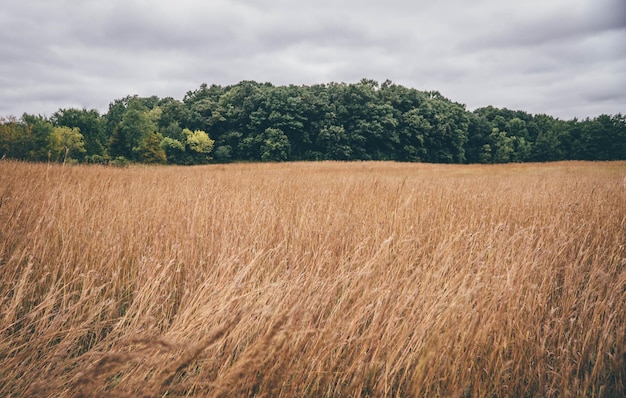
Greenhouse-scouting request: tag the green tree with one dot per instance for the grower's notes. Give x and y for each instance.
(549, 142)
(333, 143)
(90, 124)
(503, 146)
(37, 138)
(517, 127)
(417, 131)
(603, 138)
(223, 153)
(172, 111)
(174, 150)
(114, 116)
(228, 146)
(286, 112)
(477, 148)
(275, 146)
(364, 119)
(150, 150)
(484, 154)
(174, 115)
(66, 143)
(617, 149)
(14, 138)
(445, 140)
(501, 135)
(135, 125)
(198, 146)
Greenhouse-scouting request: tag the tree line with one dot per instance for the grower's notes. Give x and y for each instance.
(252, 121)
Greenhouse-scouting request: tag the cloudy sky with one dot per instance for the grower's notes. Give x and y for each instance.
(566, 58)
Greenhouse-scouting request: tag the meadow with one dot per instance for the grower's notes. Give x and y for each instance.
(313, 279)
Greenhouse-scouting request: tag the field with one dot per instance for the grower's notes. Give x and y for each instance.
(313, 279)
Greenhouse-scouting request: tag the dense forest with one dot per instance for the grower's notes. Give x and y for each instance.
(252, 121)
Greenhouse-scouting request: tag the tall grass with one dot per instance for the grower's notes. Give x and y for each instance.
(313, 279)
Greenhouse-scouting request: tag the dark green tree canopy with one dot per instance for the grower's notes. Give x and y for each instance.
(252, 121)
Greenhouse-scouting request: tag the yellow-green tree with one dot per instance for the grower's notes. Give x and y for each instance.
(150, 150)
(198, 146)
(66, 143)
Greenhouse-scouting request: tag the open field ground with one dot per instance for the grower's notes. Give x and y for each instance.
(313, 279)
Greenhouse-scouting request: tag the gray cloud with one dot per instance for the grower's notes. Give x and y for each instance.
(561, 57)
(567, 22)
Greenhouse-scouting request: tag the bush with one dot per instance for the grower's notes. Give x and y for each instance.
(120, 161)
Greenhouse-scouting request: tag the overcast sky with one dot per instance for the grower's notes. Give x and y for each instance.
(566, 58)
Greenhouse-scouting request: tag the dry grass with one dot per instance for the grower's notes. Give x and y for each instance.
(313, 279)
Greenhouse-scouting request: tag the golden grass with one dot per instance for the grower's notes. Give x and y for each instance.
(313, 279)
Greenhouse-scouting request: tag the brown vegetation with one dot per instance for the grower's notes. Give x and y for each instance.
(313, 279)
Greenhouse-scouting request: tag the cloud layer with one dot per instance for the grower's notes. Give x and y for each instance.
(566, 58)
